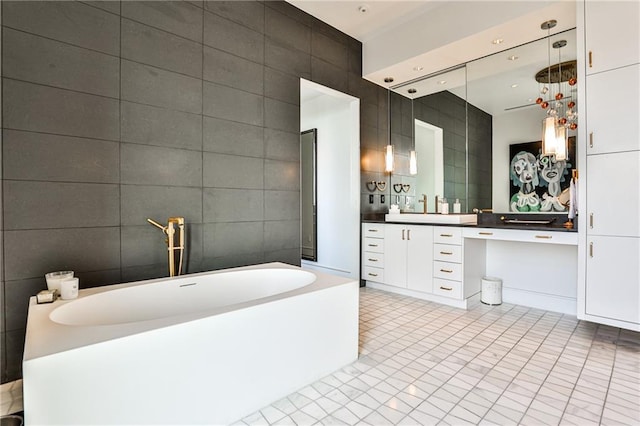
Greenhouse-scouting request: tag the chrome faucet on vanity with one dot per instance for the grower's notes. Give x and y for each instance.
(170, 231)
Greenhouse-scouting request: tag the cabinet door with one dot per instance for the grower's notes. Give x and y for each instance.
(613, 194)
(613, 278)
(612, 34)
(395, 255)
(420, 258)
(613, 108)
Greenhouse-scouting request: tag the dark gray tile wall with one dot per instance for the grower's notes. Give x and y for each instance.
(119, 111)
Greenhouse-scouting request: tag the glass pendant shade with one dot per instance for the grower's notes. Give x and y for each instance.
(413, 163)
(388, 159)
(549, 136)
(561, 143)
(554, 139)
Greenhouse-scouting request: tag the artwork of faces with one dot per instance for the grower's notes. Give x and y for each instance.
(537, 181)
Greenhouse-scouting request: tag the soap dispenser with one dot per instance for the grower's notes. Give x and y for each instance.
(456, 206)
(445, 206)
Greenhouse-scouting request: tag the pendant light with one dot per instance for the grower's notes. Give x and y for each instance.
(554, 127)
(413, 157)
(549, 123)
(388, 156)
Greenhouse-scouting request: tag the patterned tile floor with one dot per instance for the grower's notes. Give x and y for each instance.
(422, 363)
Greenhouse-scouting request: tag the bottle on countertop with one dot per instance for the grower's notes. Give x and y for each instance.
(445, 206)
(456, 206)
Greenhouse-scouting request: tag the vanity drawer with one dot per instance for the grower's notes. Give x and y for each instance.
(375, 230)
(447, 235)
(447, 270)
(375, 245)
(373, 274)
(447, 253)
(373, 259)
(447, 288)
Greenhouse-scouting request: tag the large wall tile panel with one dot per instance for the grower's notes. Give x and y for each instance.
(154, 86)
(233, 71)
(282, 58)
(232, 104)
(232, 171)
(161, 49)
(44, 157)
(40, 60)
(139, 202)
(231, 137)
(35, 252)
(149, 125)
(233, 205)
(176, 17)
(234, 38)
(28, 106)
(247, 13)
(65, 205)
(67, 21)
(151, 165)
(232, 239)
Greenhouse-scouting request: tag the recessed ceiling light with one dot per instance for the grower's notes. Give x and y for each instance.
(442, 82)
(388, 79)
(512, 58)
(418, 68)
(514, 85)
(412, 91)
(363, 8)
(497, 41)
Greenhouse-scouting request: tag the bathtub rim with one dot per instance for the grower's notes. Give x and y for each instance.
(45, 337)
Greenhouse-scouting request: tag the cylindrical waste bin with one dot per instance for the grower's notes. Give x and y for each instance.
(491, 291)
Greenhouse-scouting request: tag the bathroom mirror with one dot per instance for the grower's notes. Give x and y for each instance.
(308, 194)
(436, 120)
(494, 102)
(504, 85)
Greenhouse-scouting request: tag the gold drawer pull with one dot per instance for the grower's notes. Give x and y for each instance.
(590, 59)
(591, 249)
(446, 288)
(373, 260)
(591, 140)
(446, 252)
(372, 275)
(547, 237)
(448, 271)
(446, 235)
(591, 220)
(485, 233)
(373, 245)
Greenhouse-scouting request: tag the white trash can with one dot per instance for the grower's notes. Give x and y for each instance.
(491, 291)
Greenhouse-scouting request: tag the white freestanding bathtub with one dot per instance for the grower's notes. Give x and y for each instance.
(204, 348)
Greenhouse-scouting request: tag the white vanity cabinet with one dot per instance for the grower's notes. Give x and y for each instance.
(609, 285)
(408, 256)
(447, 262)
(373, 252)
(425, 261)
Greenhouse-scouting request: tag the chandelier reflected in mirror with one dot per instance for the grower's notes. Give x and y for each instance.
(557, 98)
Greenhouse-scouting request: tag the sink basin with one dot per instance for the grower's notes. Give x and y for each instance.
(435, 218)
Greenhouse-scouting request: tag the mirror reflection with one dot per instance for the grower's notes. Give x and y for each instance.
(308, 194)
(483, 109)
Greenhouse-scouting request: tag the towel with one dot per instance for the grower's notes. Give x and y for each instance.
(573, 198)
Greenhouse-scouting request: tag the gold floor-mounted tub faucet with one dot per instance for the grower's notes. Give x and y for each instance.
(170, 231)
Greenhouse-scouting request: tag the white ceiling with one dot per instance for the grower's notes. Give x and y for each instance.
(400, 36)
